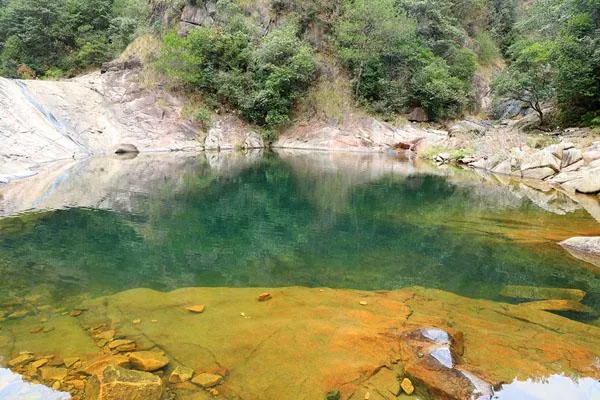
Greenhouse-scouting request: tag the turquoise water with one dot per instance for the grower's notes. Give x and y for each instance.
(309, 220)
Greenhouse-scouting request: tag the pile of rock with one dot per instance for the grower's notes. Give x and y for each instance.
(575, 170)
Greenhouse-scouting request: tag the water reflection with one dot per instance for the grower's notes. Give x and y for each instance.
(555, 387)
(309, 219)
(12, 387)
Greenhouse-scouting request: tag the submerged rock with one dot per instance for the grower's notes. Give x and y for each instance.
(407, 386)
(115, 383)
(148, 360)
(542, 293)
(21, 359)
(207, 380)
(181, 374)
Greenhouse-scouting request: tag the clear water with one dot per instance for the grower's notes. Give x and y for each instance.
(303, 219)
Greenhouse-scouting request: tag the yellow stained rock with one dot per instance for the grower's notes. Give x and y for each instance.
(20, 360)
(197, 309)
(70, 361)
(407, 386)
(181, 374)
(265, 297)
(148, 360)
(38, 364)
(53, 373)
(118, 343)
(207, 380)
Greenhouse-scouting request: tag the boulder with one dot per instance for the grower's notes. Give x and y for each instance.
(570, 157)
(538, 173)
(586, 248)
(21, 359)
(418, 115)
(466, 126)
(589, 182)
(542, 159)
(126, 148)
(503, 168)
(148, 360)
(116, 383)
(590, 156)
(53, 373)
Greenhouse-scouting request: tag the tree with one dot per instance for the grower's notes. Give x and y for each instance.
(369, 31)
(529, 76)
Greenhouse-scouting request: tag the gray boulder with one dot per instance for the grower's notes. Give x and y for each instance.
(586, 248)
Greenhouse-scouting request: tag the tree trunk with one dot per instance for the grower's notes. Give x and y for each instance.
(539, 111)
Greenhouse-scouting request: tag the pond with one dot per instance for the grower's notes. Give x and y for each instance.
(315, 220)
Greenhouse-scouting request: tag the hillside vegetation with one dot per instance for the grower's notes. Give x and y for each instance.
(261, 57)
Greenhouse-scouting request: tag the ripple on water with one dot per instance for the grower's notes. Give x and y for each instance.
(12, 387)
(555, 387)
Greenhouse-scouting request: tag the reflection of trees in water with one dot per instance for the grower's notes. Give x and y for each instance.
(274, 225)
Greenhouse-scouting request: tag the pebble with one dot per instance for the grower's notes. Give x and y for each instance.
(207, 380)
(37, 329)
(70, 361)
(118, 343)
(38, 364)
(181, 374)
(363, 303)
(21, 359)
(265, 297)
(136, 321)
(76, 313)
(56, 385)
(407, 386)
(197, 309)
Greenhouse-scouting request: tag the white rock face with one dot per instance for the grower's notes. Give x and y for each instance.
(42, 121)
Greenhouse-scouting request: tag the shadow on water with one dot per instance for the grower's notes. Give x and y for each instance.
(365, 223)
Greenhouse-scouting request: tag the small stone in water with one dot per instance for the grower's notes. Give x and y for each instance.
(76, 313)
(363, 303)
(118, 343)
(136, 321)
(38, 363)
(207, 380)
(49, 329)
(53, 373)
(367, 396)
(264, 297)
(20, 360)
(407, 386)
(181, 374)
(197, 309)
(56, 385)
(333, 395)
(37, 329)
(70, 361)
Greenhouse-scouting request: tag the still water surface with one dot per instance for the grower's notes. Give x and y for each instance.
(308, 219)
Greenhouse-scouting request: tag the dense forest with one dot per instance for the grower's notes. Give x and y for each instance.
(398, 54)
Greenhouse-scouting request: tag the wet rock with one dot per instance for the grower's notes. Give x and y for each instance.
(106, 335)
(207, 380)
(115, 383)
(148, 360)
(53, 373)
(333, 395)
(418, 115)
(407, 386)
(21, 360)
(76, 313)
(363, 303)
(119, 342)
(126, 149)
(98, 364)
(542, 293)
(70, 361)
(198, 309)
(265, 297)
(181, 374)
(558, 305)
(385, 383)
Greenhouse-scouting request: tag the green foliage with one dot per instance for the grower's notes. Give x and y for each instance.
(261, 77)
(487, 50)
(67, 35)
(565, 61)
(529, 76)
(401, 60)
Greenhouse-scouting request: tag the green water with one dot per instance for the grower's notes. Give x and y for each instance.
(294, 221)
